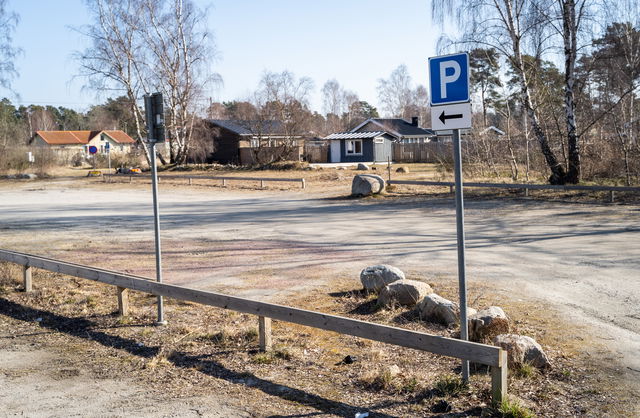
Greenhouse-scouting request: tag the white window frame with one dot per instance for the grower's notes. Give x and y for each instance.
(353, 150)
(254, 143)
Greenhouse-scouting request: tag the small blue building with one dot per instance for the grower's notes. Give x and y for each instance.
(359, 147)
(372, 140)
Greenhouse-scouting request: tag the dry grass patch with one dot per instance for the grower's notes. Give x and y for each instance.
(205, 349)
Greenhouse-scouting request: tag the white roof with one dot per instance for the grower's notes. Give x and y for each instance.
(355, 135)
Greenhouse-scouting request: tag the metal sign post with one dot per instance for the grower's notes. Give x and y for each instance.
(156, 224)
(155, 133)
(462, 279)
(108, 149)
(451, 110)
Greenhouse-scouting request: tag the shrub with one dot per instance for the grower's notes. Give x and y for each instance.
(450, 385)
(513, 409)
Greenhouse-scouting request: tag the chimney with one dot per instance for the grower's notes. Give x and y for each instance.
(414, 121)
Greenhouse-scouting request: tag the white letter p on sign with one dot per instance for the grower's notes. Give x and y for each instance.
(446, 79)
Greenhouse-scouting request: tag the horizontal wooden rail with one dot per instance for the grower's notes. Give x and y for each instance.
(223, 178)
(523, 186)
(478, 353)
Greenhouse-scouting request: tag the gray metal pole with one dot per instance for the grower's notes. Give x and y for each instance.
(156, 216)
(462, 282)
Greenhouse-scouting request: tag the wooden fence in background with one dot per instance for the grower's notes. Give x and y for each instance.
(524, 186)
(223, 179)
(430, 152)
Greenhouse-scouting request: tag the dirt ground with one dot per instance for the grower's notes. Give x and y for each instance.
(579, 257)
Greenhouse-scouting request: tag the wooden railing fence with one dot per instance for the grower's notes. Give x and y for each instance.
(488, 355)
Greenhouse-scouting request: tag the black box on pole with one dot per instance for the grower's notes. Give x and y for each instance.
(154, 115)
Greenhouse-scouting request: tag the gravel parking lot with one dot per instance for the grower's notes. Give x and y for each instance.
(581, 257)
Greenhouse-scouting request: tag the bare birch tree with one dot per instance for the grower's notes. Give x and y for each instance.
(114, 61)
(334, 103)
(8, 52)
(140, 46)
(180, 47)
(509, 27)
(395, 93)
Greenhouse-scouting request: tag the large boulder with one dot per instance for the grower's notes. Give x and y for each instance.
(366, 185)
(374, 278)
(435, 308)
(362, 167)
(522, 349)
(403, 292)
(488, 323)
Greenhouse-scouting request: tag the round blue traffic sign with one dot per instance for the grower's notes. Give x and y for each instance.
(93, 149)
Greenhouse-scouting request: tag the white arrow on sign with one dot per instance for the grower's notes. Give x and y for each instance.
(455, 116)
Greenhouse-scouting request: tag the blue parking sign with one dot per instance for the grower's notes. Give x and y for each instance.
(449, 79)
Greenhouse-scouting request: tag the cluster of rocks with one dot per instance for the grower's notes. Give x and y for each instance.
(490, 325)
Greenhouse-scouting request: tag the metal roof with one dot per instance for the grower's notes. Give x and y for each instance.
(397, 127)
(355, 135)
(248, 127)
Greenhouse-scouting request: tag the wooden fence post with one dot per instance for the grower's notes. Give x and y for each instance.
(451, 189)
(499, 379)
(27, 279)
(224, 182)
(612, 196)
(264, 333)
(262, 184)
(123, 301)
(189, 181)
(130, 179)
(303, 183)
(526, 192)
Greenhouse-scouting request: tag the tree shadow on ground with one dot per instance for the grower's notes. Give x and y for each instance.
(88, 330)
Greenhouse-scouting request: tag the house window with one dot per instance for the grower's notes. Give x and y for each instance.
(354, 147)
(379, 141)
(255, 143)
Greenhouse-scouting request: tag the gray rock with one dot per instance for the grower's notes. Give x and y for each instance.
(438, 309)
(362, 167)
(403, 292)
(488, 323)
(522, 349)
(366, 185)
(435, 308)
(374, 278)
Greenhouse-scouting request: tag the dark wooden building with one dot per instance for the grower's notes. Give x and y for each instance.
(249, 142)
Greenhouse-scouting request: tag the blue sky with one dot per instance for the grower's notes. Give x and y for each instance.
(355, 41)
